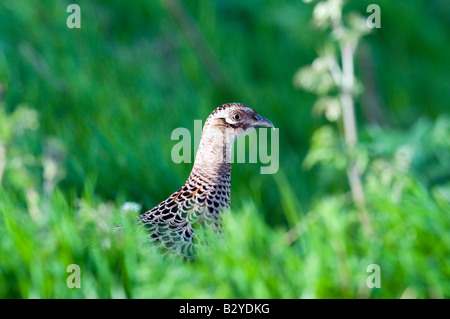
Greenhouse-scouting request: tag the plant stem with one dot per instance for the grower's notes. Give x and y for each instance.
(351, 134)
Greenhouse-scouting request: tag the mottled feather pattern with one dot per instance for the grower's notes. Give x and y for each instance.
(200, 202)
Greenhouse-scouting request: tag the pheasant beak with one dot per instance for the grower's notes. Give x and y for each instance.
(262, 122)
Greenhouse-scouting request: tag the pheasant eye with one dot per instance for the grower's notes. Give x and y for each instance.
(236, 116)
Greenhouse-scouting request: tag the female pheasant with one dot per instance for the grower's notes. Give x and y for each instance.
(206, 193)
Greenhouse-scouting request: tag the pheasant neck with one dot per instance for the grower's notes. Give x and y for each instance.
(214, 154)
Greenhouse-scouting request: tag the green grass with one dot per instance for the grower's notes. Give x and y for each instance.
(324, 256)
(85, 123)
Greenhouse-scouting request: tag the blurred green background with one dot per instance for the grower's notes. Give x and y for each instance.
(86, 117)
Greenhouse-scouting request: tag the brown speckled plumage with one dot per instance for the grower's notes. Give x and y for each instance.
(205, 196)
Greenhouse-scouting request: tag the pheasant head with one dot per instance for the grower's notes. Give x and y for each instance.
(206, 193)
(236, 120)
(223, 126)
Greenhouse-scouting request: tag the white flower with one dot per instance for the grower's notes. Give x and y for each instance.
(131, 207)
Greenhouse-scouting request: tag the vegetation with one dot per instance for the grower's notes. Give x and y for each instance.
(86, 117)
